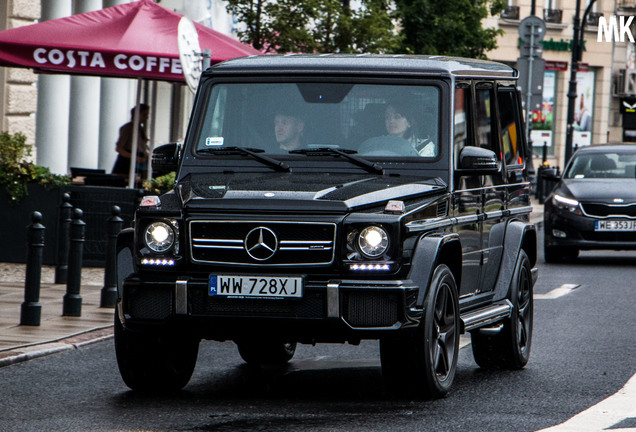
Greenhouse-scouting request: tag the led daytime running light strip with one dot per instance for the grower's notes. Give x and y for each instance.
(369, 267)
(157, 262)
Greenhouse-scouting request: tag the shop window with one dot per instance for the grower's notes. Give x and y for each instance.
(543, 120)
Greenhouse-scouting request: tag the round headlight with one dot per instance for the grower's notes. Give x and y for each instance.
(373, 241)
(159, 236)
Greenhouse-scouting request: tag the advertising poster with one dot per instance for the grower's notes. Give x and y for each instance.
(543, 120)
(583, 114)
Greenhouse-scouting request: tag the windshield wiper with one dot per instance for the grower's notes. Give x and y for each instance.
(249, 151)
(348, 154)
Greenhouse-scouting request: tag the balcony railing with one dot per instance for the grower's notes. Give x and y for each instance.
(626, 5)
(592, 19)
(511, 13)
(553, 16)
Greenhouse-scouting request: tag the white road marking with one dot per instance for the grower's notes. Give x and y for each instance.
(564, 289)
(464, 341)
(605, 415)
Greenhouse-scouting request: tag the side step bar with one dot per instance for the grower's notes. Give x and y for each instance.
(487, 315)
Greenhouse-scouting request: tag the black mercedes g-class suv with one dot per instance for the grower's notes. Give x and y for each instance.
(336, 198)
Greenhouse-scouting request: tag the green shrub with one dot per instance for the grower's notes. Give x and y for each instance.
(16, 172)
(160, 184)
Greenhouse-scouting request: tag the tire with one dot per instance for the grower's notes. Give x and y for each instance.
(424, 362)
(266, 352)
(510, 348)
(154, 363)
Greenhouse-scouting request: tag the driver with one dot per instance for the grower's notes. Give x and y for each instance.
(288, 129)
(399, 122)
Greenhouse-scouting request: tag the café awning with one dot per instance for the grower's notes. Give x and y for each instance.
(132, 40)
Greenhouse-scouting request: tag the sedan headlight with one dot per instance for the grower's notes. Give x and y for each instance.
(159, 237)
(373, 241)
(568, 204)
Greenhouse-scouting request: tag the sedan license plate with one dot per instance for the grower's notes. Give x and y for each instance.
(614, 225)
(256, 286)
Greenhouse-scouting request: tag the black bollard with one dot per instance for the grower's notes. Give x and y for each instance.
(61, 262)
(31, 307)
(72, 305)
(109, 291)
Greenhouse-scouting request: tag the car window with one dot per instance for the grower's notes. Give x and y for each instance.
(510, 132)
(483, 116)
(462, 135)
(374, 120)
(602, 165)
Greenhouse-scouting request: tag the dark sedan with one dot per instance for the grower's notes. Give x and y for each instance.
(593, 206)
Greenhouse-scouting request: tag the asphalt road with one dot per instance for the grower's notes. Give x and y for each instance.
(583, 352)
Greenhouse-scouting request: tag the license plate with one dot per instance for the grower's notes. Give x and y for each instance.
(614, 225)
(256, 286)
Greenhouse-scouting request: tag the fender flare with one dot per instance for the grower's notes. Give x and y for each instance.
(519, 235)
(428, 252)
(125, 258)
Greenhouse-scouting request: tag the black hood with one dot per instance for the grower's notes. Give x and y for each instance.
(600, 190)
(302, 192)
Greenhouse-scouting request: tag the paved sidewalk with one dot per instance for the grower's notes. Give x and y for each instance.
(56, 332)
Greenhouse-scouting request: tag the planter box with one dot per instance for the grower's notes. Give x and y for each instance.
(16, 218)
(95, 201)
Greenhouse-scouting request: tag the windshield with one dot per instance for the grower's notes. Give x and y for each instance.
(373, 120)
(603, 165)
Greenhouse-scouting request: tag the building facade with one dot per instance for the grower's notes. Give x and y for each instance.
(600, 92)
(18, 89)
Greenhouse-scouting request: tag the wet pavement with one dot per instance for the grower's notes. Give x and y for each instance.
(55, 332)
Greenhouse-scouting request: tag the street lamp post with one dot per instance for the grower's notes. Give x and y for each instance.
(577, 55)
(574, 66)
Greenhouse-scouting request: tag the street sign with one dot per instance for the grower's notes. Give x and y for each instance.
(538, 68)
(531, 67)
(529, 25)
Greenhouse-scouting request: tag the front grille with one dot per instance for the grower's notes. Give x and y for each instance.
(295, 243)
(605, 210)
(371, 309)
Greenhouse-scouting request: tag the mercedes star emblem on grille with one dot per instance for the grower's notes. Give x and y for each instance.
(261, 243)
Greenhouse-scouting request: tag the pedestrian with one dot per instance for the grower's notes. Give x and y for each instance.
(124, 146)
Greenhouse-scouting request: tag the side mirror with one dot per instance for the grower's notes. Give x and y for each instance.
(165, 158)
(477, 160)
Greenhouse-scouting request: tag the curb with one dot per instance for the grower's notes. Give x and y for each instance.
(76, 341)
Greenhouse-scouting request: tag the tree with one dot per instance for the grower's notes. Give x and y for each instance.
(322, 26)
(446, 27)
(250, 14)
(374, 28)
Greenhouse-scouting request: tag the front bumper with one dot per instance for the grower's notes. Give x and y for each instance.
(330, 311)
(564, 229)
